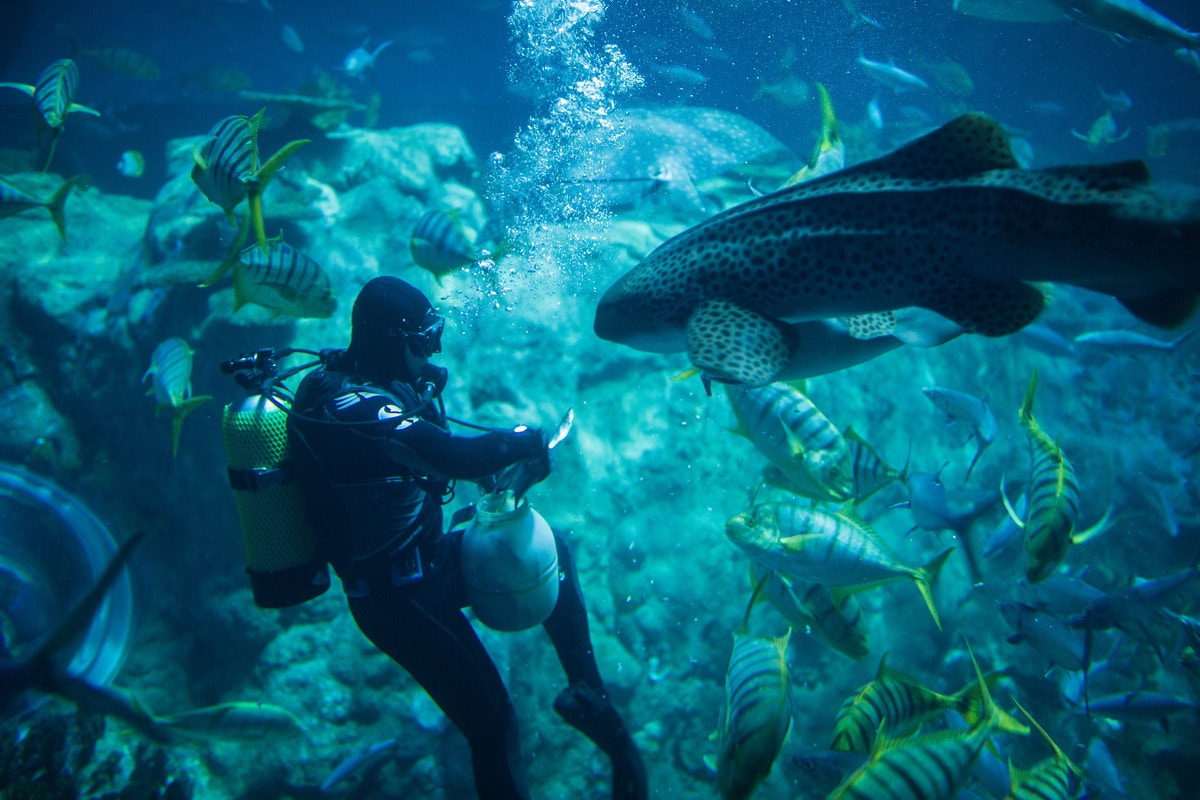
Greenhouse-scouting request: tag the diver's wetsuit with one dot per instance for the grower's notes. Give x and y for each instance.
(374, 494)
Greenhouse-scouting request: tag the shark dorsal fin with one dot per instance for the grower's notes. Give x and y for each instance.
(966, 146)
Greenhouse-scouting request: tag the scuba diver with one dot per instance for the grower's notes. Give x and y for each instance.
(376, 463)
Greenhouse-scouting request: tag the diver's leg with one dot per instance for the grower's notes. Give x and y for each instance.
(428, 635)
(584, 704)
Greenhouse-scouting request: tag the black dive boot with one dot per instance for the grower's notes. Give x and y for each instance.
(590, 713)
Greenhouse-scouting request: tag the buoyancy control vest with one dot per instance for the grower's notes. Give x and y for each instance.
(367, 495)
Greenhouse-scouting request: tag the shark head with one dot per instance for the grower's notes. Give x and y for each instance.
(632, 313)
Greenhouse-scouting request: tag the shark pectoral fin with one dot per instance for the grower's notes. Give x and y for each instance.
(993, 308)
(870, 326)
(728, 341)
(1169, 308)
(921, 327)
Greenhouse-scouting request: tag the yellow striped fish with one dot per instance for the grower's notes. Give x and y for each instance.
(284, 280)
(810, 606)
(929, 767)
(52, 95)
(871, 473)
(170, 375)
(124, 62)
(439, 244)
(226, 170)
(837, 550)
(757, 714)
(829, 155)
(14, 200)
(1047, 780)
(897, 703)
(796, 437)
(1051, 497)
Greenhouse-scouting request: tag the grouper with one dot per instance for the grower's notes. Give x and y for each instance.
(948, 224)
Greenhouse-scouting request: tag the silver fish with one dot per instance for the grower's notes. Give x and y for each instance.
(170, 372)
(890, 75)
(931, 508)
(1141, 706)
(829, 154)
(1126, 19)
(948, 223)
(1046, 339)
(1130, 342)
(1129, 607)
(1050, 636)
(357, 762)
(968, 410)
(359, 60)
(234, 721)
(1129, 19)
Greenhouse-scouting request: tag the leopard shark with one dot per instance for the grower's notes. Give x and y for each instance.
(949, 225)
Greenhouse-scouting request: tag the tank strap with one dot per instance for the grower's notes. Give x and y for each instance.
(257, 479)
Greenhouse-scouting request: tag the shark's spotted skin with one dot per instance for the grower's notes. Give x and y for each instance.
(949, 223)
(721, 332)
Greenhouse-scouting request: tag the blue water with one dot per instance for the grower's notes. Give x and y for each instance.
(1013, 65)
(659, 473)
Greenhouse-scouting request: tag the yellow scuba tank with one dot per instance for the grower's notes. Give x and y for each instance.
(279, 542)
(509, 563)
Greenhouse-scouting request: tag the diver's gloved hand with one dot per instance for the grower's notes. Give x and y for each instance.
(538, 465)
(531, 450)
(525, 443)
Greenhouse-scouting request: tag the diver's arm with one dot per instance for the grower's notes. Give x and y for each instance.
(413, 442)
(467, 457)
